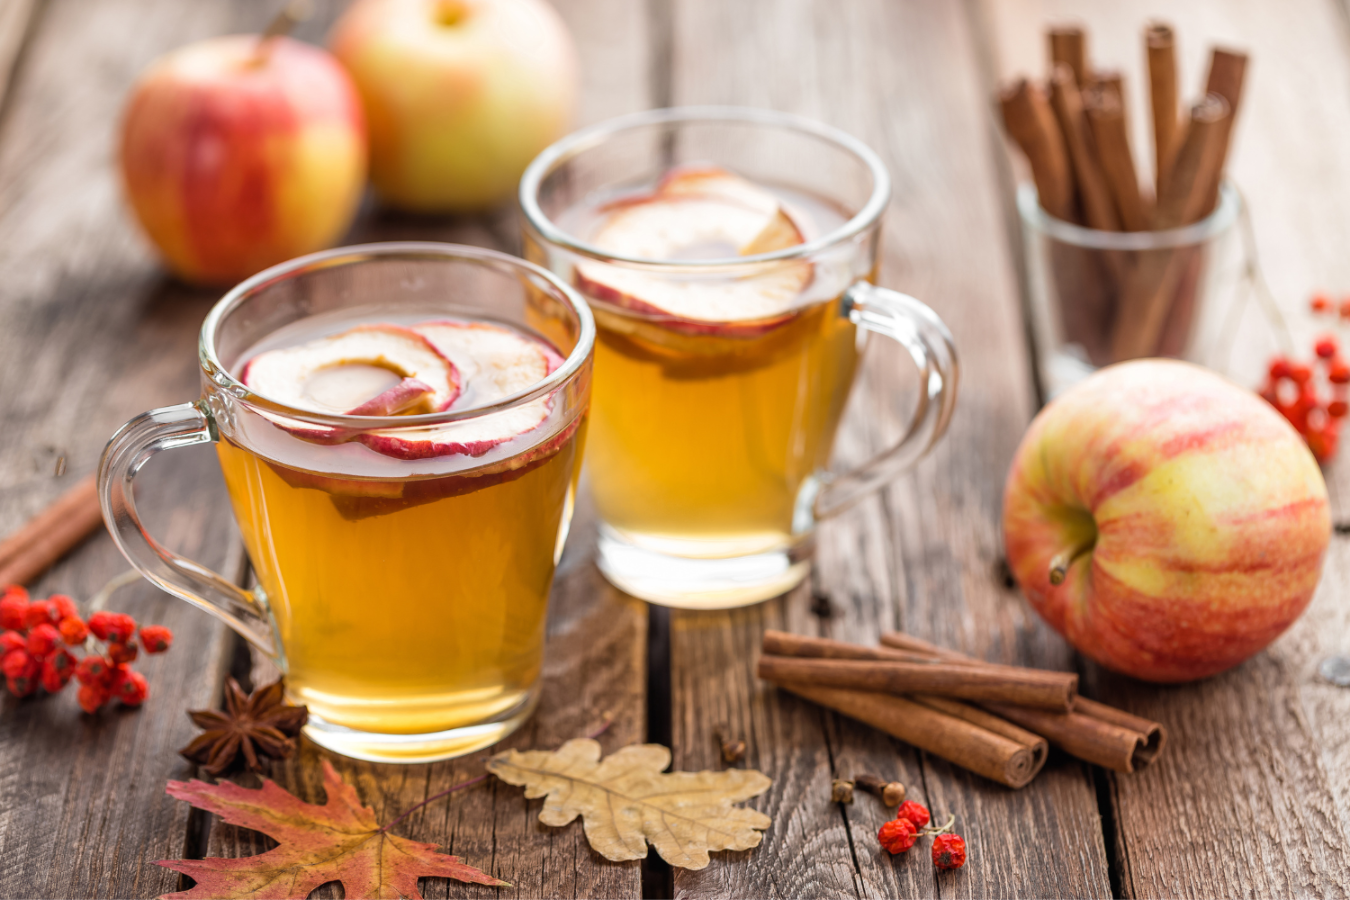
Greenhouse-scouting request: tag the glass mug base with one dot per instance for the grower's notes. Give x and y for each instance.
(421, 748)
(699, 582)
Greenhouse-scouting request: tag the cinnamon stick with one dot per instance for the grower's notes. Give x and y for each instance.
(1005, 684)
(1068, 46)
(1160, 46)
(1028, 119)
(956, 740)
(988, 721)
(783, 643)
(1106, 115)
(1104, 743)
(1095, 732)
(1067, 101)
(50, 534)
(1147, 298)
(1227, 72)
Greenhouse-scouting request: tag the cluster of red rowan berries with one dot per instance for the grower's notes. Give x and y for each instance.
(1312, 397)
(910, 823)
(39, 635)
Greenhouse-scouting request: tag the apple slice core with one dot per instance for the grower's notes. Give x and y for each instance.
(703, 213)
(342, 373)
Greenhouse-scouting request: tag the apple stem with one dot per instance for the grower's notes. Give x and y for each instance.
(291, 14)
(1060, 563)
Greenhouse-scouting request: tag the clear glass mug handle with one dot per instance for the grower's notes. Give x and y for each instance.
(919, 330)
(128, 450)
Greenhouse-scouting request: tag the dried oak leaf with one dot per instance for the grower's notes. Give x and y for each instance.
(628, 800)
(339, 841)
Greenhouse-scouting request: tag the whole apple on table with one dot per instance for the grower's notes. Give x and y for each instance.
(460, 94)
(1167, 522)
(238, 153)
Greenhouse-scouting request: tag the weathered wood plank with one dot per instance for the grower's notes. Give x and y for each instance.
(595, 656)
(1265, 743)
(16, 18)
(90, 334)
(923, 556)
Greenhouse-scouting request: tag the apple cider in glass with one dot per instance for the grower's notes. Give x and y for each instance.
(717, 397)
(407, 605)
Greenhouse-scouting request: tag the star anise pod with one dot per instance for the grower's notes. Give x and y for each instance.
(252, 726)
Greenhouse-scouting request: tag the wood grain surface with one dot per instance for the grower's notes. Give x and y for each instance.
(1253, 795)
(923, 555)
(1268, 742)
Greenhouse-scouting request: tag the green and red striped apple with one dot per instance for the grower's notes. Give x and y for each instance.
(1167, 522)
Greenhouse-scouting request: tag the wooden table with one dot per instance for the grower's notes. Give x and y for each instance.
(1253, 797)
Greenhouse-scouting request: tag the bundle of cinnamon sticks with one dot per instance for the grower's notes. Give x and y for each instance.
(1074, 133)
(994, 720)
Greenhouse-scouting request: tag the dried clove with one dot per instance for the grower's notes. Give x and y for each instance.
(841, 791)
(890, 793)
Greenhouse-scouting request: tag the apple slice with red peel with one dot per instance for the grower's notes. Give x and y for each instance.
(700, 213)
(493, 362)
(349, 373)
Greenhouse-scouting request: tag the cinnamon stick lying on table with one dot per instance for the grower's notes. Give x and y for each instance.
(1030, 121)
(998, 684)
(1093, 731)
(1067, 101)
(1106, 115)
(1160, 45)
(957, 740)
(50, 534)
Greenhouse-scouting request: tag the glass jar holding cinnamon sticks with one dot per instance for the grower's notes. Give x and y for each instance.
(1098, 297)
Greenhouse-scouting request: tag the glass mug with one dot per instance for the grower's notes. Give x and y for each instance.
(709, 442)
(404, 598)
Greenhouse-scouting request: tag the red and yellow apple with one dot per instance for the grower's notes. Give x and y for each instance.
(1167, 522)
(460, 94)
(237, 155)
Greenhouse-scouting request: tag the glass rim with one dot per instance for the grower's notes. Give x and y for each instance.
(356, 253)
(578, 142)
(1224, 215)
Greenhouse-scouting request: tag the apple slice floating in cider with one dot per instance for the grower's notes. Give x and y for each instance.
(493, 363)
(700, 213)
(370, 370)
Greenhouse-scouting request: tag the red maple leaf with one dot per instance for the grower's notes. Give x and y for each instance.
(339, 841)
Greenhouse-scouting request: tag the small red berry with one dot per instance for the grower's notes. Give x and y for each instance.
(24, 685)
(12, 640)
(92, 696)
(93, 670)
(1339, 372)
(897, 835)
(57, 670)
(1300, 372)
(65, 607)
(39, 612)
(1319, 303)
(156, 638)
(12, 609)
(121, 654)
(17, 663)
(108, 626)
(131, 688)
(1337, 409)
(949, 851)
(1279, 368)
(1345, 309)
(43, 639)
(915, 812)
(1325, 347)
(73, 631)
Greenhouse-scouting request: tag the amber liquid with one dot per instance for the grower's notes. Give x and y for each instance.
(703, 438)
(408, 614)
